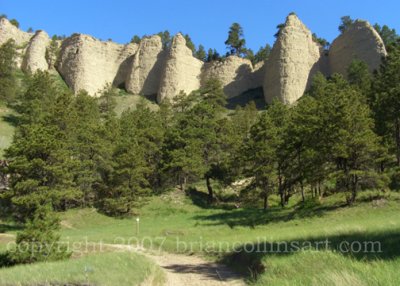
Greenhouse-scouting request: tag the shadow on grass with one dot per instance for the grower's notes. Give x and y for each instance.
(11, 119)
(200, 199)
(9, 227)
(253, 217)
(249, 259)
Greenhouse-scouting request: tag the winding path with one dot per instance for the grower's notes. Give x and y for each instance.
(184, 270)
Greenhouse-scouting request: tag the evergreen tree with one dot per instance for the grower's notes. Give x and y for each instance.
(136, 39)
(165, 39)
(386, 101)
(345, 22)
(190, 44)
(8, 82)
(262, 54)
(39, 241)
(235, 43)
(261, 157)
(201, 53)
(388, 35)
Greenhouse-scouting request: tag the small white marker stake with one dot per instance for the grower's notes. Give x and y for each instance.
(137, 225)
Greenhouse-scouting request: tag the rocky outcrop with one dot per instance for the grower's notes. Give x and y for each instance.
(258, 74)
(89, 64)
(359, 41)
(182, 71)
(293, 60)
(35, 55)
(144, 75)
(9, 31)
(233, 72)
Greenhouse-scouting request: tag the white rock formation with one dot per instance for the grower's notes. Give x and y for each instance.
(234, 73)
(293, 61)
(182, 71)
(89, 64)
(35, 55)
(144, 75)
(258, 74)
(359, 41)
(9, 31)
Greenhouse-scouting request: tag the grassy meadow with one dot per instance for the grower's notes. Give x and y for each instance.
(176, 222)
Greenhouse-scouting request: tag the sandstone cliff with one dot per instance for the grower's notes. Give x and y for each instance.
(89, 64)
(293, 60)
(235, 74)
(359, 41)
(9, 31)
(182, 71)
(35, 55)
(144, 74)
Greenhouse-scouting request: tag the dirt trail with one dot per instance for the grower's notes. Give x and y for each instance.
(184, 270)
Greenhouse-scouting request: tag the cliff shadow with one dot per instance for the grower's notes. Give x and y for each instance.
(152, 82)
(122, 73)
(255, 94)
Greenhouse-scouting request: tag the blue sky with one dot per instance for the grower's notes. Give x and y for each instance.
(206, 21)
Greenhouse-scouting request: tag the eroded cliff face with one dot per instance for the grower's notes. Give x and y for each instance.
(233, 72)
(182, 71)
(293, 60)
(89, 64)
(145, 72)
(9, 31)
(35, 55)
(359, 41)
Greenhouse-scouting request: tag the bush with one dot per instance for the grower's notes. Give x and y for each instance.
(39, 241)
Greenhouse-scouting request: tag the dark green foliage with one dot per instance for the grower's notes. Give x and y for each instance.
(213, 55)
(52, 52)
(14, 22)
(135, 161)
(39, 240)
(323, 42)
(201, 53)
(136, 39)
(279, 27)
(262, 54)
(165, 39)
(8, 82)
(190, 44)
(345, 22)
(385, 100)
(358, 75)
(235, 43)
(388, 35)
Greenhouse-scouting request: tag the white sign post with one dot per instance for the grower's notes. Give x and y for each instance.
(137, 225)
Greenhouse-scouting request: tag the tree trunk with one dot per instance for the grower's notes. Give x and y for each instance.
(302, 191)
(266, 200)
(354, 189)
(210, 190)
(397, 134)
(281, 191)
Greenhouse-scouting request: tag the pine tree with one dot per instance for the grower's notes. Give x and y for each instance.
(235, 43)
(39, 240)
(8, 82)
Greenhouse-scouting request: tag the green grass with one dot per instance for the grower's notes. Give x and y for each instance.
(126, 100)
(6, 128)
(172, 222)
(107, 269)
(176, 222)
